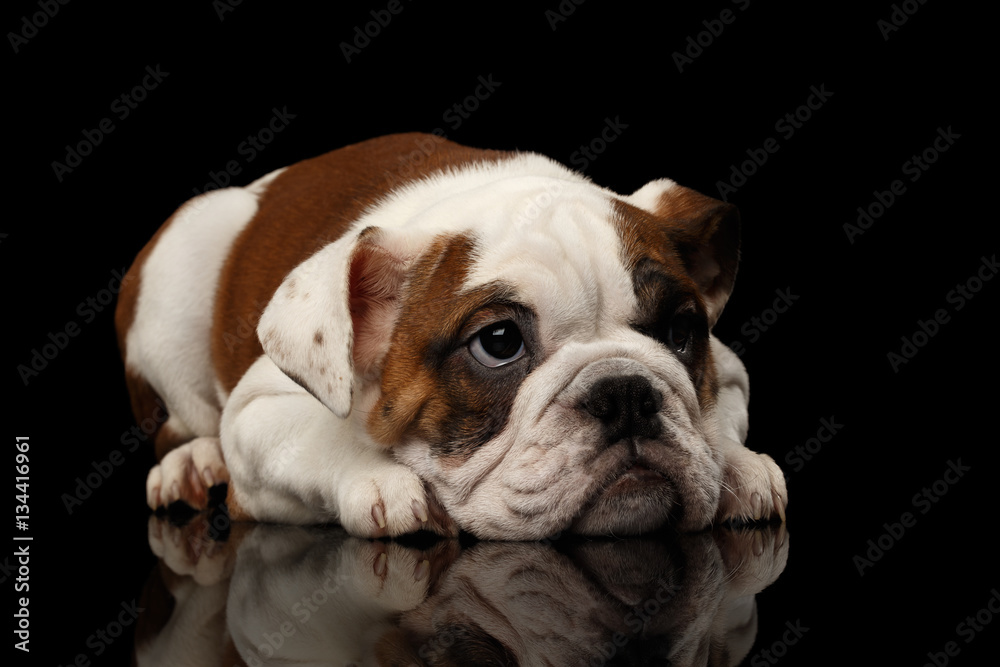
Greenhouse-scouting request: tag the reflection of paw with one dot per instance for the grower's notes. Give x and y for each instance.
(190, 550)
(187, 473)
(388, 500)
(398, 577)
(754, 557)
(753, 488)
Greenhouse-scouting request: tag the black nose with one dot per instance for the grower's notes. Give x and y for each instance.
(627, 407)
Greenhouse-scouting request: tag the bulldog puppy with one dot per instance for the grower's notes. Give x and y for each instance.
(445, 338)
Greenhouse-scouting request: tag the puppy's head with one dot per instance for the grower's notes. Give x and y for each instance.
(536, 349)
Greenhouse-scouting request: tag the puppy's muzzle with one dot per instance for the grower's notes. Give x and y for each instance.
(627, 406)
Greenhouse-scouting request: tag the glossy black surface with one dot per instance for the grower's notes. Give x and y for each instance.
(293, 595)
(864, 309)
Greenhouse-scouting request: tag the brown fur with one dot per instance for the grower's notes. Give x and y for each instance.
(429, 386)
(685, 224)
(308, 206)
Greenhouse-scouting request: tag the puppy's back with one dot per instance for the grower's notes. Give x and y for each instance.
(189, 305)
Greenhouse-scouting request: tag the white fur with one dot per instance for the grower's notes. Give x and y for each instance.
(532, 480)
(297, 462)
(170, 339)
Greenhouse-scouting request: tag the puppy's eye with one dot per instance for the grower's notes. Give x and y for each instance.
(681, 330)
(497, 344)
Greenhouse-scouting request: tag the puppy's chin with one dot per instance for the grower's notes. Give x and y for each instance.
(637, 501)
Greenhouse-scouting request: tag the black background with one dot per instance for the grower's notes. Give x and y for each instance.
(558, 83)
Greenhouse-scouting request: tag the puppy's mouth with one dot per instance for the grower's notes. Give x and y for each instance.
(635, 500)
(637, 477)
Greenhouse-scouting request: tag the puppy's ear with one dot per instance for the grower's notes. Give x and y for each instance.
(706, 233)
(330, 320)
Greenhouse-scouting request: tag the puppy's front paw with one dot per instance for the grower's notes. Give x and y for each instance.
(753, 488)
(389, 500)
(187, 473)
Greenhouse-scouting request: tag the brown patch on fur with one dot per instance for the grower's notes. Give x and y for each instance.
(684, 222)
(431, 387)
(407, 383)
(660, 250)
(644, 235)
(706, 231)
(307, 206)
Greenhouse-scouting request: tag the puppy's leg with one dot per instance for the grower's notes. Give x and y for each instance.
(292, 460)
(753, 484)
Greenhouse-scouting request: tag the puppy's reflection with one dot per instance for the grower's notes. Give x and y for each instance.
(286, 595)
